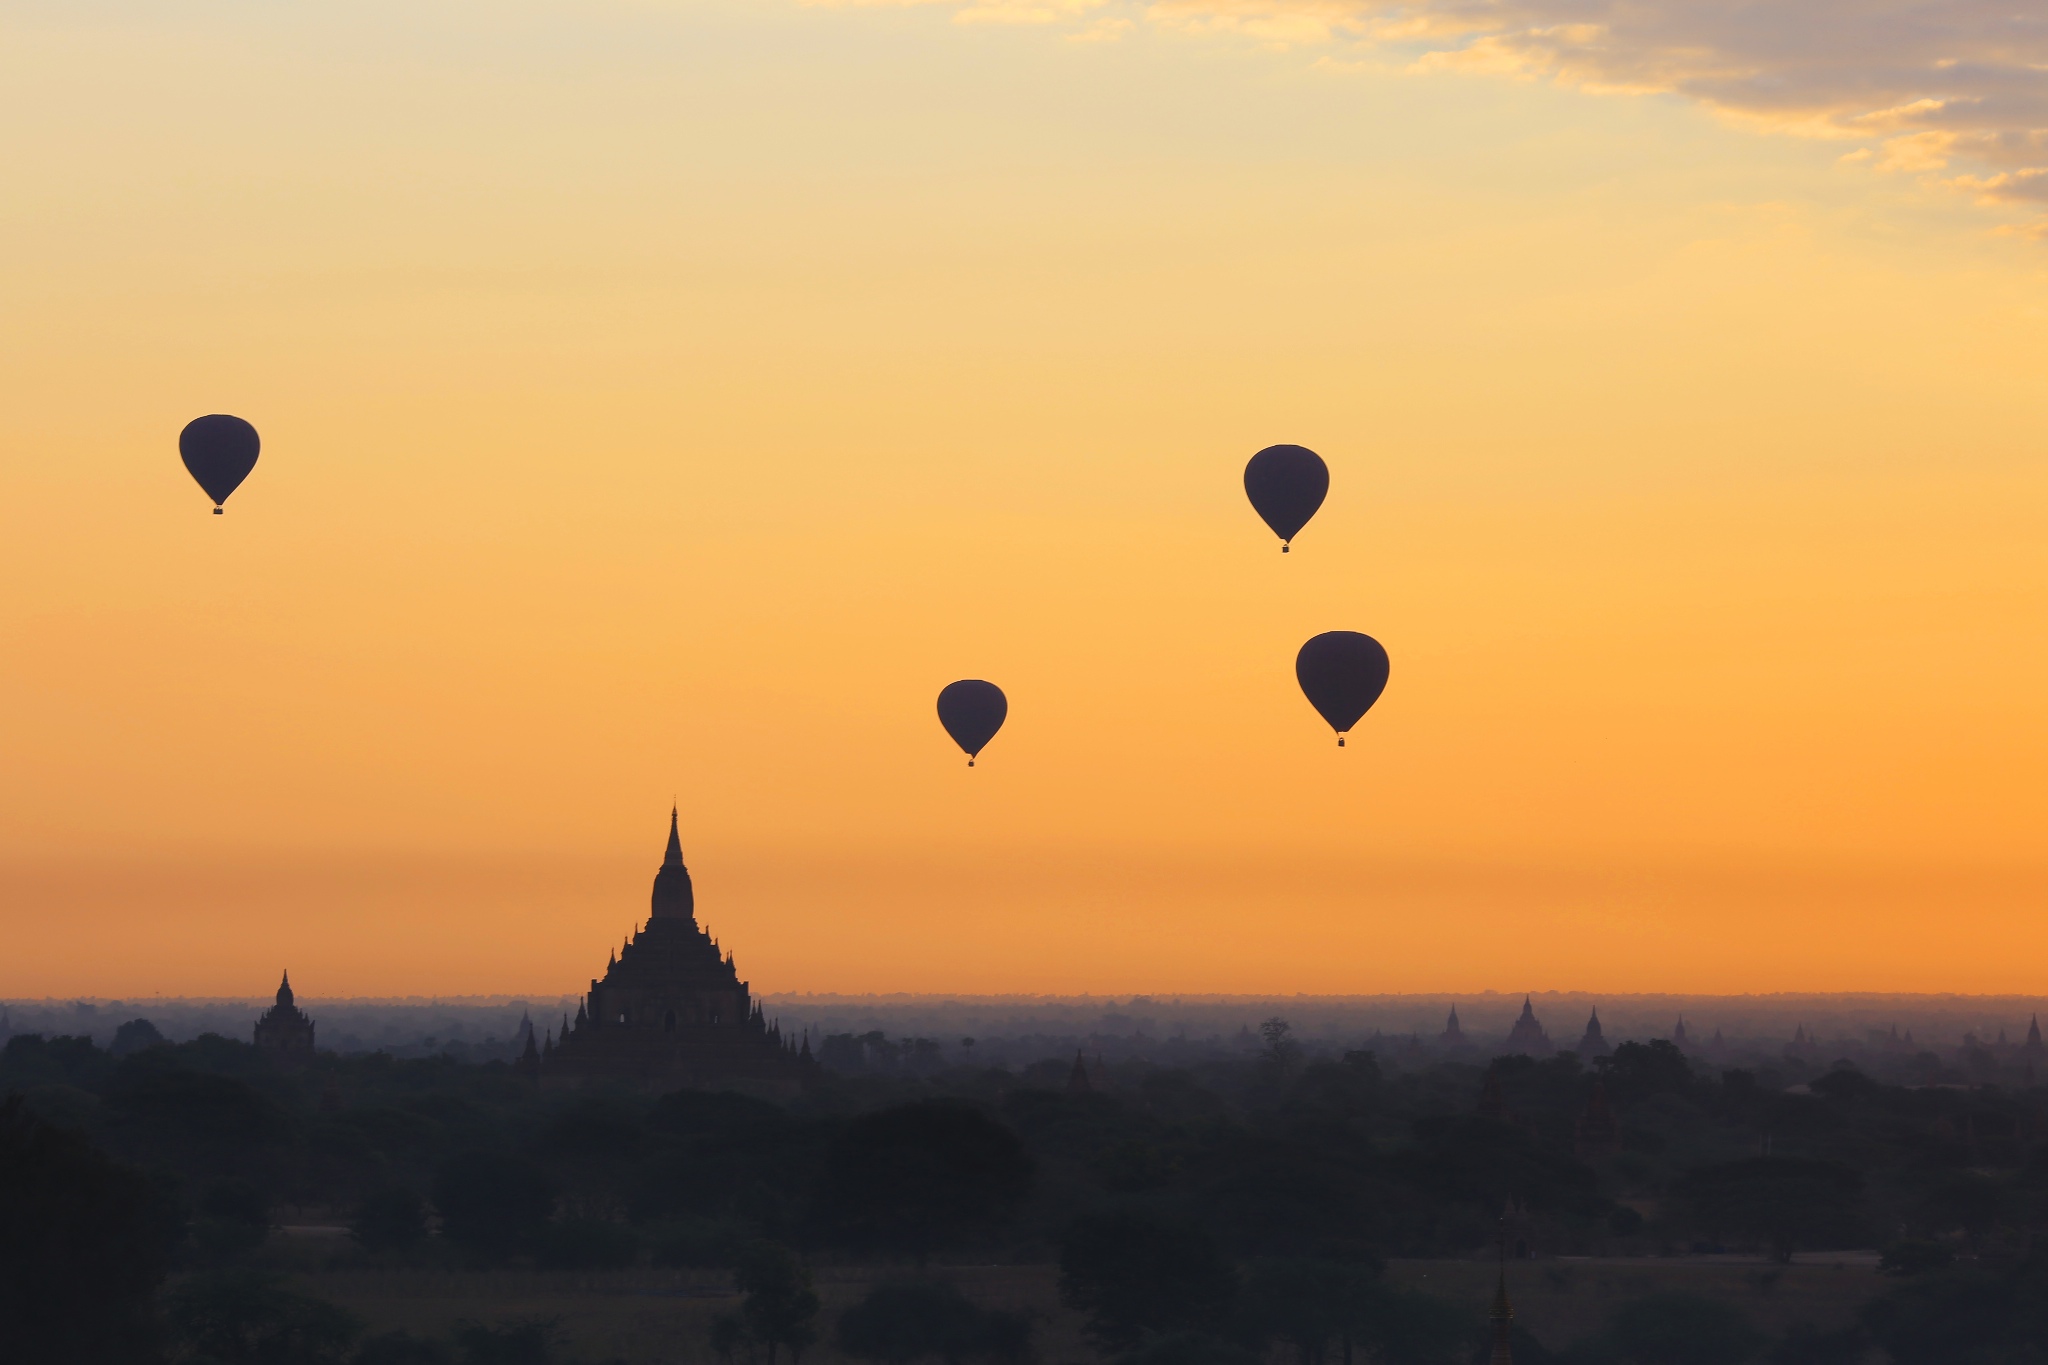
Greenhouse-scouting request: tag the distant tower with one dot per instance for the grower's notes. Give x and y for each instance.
(1594, 1043)
(1077, 1079)
(1503, 1314)
(284, 1029)
(2033, 1043)
(529, 1059)
(1678, 1034)
(1527, 1035)
(671, 1012)
(1452, 1035)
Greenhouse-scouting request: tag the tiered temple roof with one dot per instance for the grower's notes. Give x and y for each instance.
(671, 1011)
(284, 1027)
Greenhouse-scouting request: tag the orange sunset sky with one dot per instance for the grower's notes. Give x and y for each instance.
(662, 401)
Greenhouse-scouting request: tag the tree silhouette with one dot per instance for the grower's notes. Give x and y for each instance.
(248, 1318)
(84, 1242)
(919, 1177)
(779, 1309)
(1136, 1277)
(493, 1205)
(919, 1320)
(1788, 1202)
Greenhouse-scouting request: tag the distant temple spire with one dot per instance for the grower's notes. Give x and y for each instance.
(1594, 1042)
(670, 1011)
(674, 898)
(1527, 1035)
(284, 1030)
(1678, 1034)
(1077, 1079)
(1452, 1032)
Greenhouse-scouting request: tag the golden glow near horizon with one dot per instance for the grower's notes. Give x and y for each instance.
(667, 400)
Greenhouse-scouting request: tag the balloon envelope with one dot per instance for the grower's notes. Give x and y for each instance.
(219, 452)
(1342, 673)
(1286, 485)
(972, 711)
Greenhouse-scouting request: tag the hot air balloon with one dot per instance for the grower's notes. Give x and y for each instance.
(1286, 485)
(1342, 673)
(219, 452)
(972, 711)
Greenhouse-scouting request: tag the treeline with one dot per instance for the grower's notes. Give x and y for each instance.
(1241, 1206)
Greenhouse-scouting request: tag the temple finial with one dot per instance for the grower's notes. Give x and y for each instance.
(674, 856)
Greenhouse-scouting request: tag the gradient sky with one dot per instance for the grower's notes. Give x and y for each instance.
(663, 400)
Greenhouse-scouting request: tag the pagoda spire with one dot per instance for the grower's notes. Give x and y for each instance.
(673, 896)
(1503, 1314)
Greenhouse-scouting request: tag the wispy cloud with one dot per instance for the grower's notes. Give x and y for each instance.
(1952, 90)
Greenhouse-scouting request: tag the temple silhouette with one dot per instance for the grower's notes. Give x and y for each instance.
(284, 1028)
(670, 1012)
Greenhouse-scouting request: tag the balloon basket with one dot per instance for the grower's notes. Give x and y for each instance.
(218, 510)
(1340, 741)
(1284, 550)
(970, 762)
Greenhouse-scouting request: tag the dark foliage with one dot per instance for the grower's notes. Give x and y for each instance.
(402, 1348)
(1808, 1345)
(1915, 1258)
(1964, 1317)
(1137, 1277)
(1681, 1329)
(84, 1243)
(492, 1204)
(921, 1177)
(248, 1318)
(1787, 1201)
(586, 1244)
(390, 1218)
(233, 1220)
(134, 1036)
(532, 1342)
(930, 1320)
(778, 1310)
